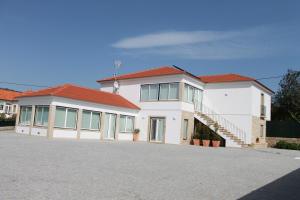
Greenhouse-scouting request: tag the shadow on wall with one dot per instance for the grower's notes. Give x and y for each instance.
(286, 187)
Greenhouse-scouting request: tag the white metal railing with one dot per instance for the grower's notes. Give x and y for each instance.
(221, 120)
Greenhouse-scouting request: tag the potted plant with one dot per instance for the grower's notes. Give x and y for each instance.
(216, 140)
(136, 135)
(205, 136)
(196, 139)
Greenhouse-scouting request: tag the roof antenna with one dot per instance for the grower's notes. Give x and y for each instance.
(117, 65)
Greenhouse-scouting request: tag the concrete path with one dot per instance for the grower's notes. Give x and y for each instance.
(35, 168)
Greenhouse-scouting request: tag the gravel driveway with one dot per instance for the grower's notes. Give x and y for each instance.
(36, 168)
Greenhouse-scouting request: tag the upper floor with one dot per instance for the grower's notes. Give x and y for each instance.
(172, 88)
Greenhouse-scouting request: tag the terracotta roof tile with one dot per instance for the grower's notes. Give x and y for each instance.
(9, 95)
(83, 94)
(160, 71)
(224, 78)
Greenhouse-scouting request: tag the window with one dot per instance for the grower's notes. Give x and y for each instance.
(168, 91)
(185, 129)
(126, 124)
(25, 115)
(14, 108)
(41, 116)
(7, 109)
(149, 92)
(90, 120)
(163, 91)
(1, 107)
(262, 130)
(65, 117)
(192, 94)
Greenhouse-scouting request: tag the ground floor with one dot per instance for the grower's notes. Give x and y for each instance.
(58, 117)
(35, 168)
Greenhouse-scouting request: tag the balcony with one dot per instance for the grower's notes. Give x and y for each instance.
(262, 111)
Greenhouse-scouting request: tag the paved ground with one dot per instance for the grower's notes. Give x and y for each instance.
(36, 168)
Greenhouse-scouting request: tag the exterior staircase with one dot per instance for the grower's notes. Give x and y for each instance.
(234, 136)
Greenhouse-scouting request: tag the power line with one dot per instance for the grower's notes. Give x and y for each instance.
(270, 77)
(23, 84)
(44, 86)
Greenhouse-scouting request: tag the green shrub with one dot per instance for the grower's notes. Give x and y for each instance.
(196, 135)
(216, 137)
(286, 145)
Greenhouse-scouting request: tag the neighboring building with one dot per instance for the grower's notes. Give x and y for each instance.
(8, 102)
(162, 102)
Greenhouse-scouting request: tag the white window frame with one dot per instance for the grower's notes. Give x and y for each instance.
(66, 117)
(158, 95)
(125, 125)
(186, 129)
(41, 106)
(26, 110)
(91, 117)
(193, 93)
(169, 91)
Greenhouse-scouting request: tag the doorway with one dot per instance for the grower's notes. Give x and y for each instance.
(157, 129)
(110, 126)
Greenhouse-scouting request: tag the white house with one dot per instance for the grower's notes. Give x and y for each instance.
(162, 102)
(8, 102)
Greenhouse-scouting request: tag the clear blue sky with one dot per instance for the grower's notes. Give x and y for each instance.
(53, 42)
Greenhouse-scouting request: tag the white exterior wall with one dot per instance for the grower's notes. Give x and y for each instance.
(64, 133)
(85, 134)
(233, 101)
(70, 103)
(22, 129)
(238, 102)
(171, 110)
(29, 101)
(39, 131)
(256, 93)
(130, 89)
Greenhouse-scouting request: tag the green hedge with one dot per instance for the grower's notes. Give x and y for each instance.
(286, 129)
(286, 145)
(7, 122)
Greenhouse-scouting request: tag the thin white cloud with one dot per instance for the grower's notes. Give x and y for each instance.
(254, 42)
(172, 38)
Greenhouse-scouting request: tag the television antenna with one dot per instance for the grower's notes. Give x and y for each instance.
(117, 65)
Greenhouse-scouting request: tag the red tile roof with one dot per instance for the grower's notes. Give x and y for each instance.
(173, 70)
(8, 95)
(83, 94)
(224, 78)
(160, 71)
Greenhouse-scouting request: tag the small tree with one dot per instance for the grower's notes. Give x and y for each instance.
(286, 104)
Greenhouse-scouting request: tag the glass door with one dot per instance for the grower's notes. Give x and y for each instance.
(157, 129)
(110, 126)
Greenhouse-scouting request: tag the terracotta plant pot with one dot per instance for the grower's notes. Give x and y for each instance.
(206, 143)
(196, 142)
(215, 143)
(135, 137)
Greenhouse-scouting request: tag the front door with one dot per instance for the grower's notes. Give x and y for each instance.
(157, 129)
(110, 126)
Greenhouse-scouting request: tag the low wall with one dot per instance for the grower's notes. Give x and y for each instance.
(273, 140)
(5, 128)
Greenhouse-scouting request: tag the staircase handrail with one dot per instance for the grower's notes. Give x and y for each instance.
(222, 121)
